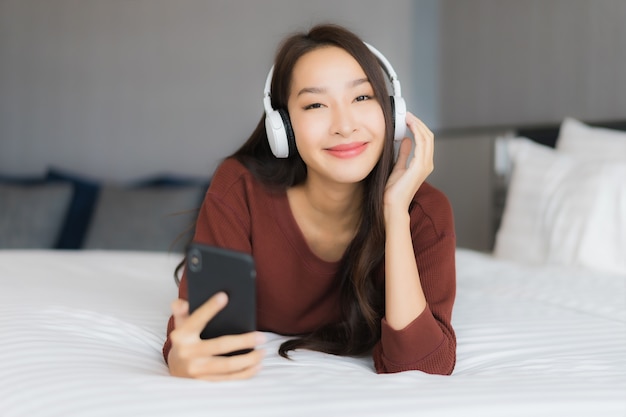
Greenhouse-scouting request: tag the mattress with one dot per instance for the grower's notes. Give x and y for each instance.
(82, 333)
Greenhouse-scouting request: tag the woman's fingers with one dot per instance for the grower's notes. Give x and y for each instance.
(197, 320)
(420, 131)
(414, 123)
(202, 359)
(226, 344)
(404, 152)
(193, 357)
(424, 143)
(227, 367)
(180, 311)
(187, 327)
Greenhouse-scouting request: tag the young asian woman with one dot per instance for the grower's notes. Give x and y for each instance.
(354, 250)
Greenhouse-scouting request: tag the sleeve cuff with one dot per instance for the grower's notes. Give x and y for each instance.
(413, 343)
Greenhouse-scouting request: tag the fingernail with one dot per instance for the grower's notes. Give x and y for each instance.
(221, 297)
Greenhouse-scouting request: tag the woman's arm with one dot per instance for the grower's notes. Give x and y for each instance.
(404, 298)
(223, 221)
(419, 267)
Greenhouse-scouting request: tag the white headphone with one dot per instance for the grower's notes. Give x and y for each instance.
(278, 127)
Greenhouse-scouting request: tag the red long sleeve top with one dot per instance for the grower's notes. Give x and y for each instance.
(297, 291)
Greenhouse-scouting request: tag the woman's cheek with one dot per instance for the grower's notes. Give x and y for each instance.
(309, 125)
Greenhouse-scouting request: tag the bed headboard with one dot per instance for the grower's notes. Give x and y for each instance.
(548, 134)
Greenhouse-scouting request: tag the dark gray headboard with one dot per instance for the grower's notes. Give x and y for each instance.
(548, 134)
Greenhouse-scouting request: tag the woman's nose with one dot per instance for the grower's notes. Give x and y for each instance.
(343, 121)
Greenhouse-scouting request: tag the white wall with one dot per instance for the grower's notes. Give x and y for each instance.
(463, 171)
(532, 61)
(122, 89)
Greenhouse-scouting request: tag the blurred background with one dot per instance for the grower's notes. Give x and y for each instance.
(122, 89)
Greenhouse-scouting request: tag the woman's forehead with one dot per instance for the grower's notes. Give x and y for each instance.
(324, 67)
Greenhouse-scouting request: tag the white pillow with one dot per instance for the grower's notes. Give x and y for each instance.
(591, 143)
(563, 210)
(604, 244)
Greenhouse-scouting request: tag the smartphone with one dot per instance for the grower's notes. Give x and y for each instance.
(212, 269)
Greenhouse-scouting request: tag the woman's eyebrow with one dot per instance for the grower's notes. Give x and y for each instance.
(321, 90)
(311, 90)
(358, 82)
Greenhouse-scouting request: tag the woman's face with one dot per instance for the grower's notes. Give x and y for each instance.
(338, 123)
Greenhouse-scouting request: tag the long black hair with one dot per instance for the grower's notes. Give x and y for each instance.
(362, 299)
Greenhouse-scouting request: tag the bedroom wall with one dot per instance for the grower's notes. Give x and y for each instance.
(126, 89)
(121, 89)
(531, 61)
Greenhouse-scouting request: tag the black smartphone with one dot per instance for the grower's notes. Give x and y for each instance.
(212, 269)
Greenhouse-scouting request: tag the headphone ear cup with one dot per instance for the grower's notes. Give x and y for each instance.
(276, 134)
(290, 136)
(398, 110)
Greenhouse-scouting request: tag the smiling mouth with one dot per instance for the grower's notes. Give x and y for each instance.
(347, 150)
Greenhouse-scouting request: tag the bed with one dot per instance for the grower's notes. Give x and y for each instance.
(82, 332)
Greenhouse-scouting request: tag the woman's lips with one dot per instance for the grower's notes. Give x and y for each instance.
(347, 150)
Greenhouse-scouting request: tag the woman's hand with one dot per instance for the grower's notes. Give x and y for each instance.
(405, 180)
(193, 357)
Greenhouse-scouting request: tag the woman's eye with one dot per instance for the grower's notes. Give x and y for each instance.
(313, 106)
(363, 98)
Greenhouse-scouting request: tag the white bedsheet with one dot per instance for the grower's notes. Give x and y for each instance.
(81, 335)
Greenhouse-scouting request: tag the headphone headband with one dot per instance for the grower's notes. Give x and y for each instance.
(267, 98)
(393, 77)
(278, 126)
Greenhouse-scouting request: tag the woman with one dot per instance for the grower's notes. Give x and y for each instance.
(354, 253)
